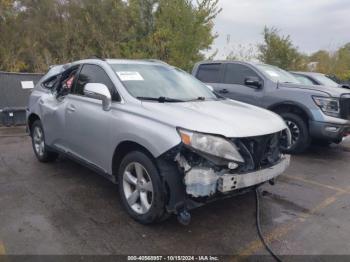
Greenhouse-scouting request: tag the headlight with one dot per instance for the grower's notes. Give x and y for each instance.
(212, 145)
(329, 106)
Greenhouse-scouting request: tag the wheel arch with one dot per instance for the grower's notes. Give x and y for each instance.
(124, 148)
(292, 107)
(31, 119)
(168, 172)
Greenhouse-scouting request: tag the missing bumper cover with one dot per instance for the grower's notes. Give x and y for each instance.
(229, 182)
(203, 181)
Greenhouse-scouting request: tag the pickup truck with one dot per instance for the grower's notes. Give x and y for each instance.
(310, 111)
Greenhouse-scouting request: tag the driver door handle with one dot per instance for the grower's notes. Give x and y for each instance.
(223, 91)
(71, 108)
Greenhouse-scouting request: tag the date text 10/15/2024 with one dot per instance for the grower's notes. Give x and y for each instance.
(173, 258)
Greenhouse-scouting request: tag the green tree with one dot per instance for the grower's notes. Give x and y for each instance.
(280, 51)
(242, 52)
(342, 65)
(6, 9)
(335, 63)
(325, 61)
(10, 46)
(39, 33)
(176, 32)
(182, 30)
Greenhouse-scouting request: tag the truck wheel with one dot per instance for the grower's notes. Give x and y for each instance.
(140, 188)
(42, 153)
(299, 131)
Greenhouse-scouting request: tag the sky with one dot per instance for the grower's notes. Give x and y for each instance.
(312, 24)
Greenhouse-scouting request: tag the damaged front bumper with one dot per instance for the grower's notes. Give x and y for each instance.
(229, 182)
(203, 182)
(192, 178)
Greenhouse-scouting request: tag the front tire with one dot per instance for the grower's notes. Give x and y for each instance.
(299, 132)
(140, 188)
(42, 153)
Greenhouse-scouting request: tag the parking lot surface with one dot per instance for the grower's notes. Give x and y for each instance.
(64, 208)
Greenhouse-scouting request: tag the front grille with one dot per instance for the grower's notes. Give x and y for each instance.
(259, 151)
(345, 106)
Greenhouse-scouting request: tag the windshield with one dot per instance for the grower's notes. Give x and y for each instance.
(278, 75)
(304, 79)
(146, 81)
(325, 81)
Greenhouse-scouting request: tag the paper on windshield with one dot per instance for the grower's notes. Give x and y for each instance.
(129, 76)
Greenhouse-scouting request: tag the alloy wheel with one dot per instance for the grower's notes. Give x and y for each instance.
(138, 188)
(294, 130)
(38, 140)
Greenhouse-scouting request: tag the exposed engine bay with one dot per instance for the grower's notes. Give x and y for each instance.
(205, 175)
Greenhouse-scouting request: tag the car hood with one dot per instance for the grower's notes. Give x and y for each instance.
(328, 90)
(223, 117)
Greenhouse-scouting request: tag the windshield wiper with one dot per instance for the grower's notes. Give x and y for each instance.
(160, 99)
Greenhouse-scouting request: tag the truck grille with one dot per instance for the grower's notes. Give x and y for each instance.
(259, 151)
(345, 106)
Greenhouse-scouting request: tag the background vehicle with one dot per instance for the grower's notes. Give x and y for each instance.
(168, 140)
(309, 111)
(312, 78)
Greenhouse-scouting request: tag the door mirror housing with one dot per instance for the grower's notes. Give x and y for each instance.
(253, 82)
(100, 92)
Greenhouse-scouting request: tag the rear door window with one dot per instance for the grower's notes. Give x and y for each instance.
(237, 73)
(209, 73)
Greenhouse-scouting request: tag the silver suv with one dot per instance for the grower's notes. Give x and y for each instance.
(169, 142)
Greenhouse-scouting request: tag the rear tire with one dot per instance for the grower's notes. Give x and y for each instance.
(42, 153)
(140, 188)
(299, 131)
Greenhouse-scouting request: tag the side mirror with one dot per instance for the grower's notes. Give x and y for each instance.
(100, 92)
(210, 87)
(253, 82)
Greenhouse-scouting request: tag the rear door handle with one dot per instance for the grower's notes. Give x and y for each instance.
(71, 108)
(223, 91)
